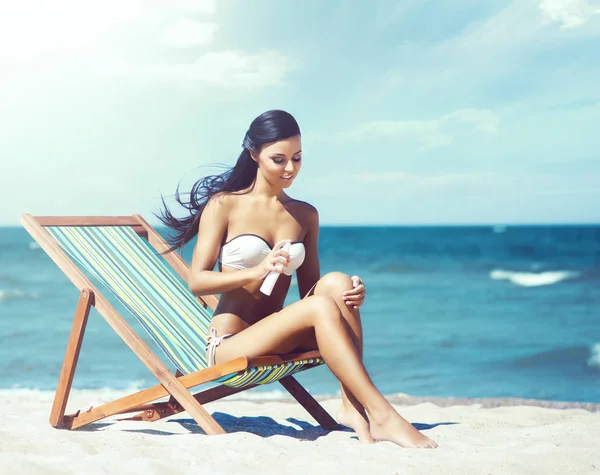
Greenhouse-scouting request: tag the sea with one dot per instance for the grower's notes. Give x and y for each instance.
(453, 311)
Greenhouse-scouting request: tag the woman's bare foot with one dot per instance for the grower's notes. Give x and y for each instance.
(348, 416)
(394, 428)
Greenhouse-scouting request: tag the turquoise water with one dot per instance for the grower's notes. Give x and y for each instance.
(451, 311)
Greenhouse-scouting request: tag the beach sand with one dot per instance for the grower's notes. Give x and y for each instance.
(489, 436)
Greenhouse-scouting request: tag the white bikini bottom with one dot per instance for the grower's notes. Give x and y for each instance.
(211, 345)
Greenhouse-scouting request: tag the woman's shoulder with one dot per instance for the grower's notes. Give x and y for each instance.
(220, 206)
(222, 200)
(231, 204)
(305, 212)
(304, 206)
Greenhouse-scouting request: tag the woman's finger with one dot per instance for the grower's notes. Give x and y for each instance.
(280, 244)
(354, 298)
(283, 253)
(281, 260)
(355, 290)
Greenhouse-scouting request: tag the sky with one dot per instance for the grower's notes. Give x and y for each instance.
(412, 112)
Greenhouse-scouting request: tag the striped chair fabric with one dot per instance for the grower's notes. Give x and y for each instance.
(157, 297)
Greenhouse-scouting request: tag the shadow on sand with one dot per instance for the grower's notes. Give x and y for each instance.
(262, 426)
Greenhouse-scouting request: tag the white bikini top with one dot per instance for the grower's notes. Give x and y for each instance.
(249, 250)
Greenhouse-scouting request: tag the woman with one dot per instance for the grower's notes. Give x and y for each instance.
(243, 218)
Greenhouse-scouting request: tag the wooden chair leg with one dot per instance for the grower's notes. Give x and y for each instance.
(309, 403)
(172, 400)
(160, 410)
(65, 380)
(140, 400)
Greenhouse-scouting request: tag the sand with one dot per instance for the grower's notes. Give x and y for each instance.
(495, 436)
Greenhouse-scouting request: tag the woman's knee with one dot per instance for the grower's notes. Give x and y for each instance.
(334, 284)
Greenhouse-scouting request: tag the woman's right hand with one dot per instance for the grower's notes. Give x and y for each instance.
(269, 263)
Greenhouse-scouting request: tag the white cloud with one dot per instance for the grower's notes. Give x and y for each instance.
(498, 182)
(186, 33)
(66, 39)
(419, 180)
(521, 23)
(431, 133)
(29, 29)
(208, 7)
(570, 13)
(481, 119)
(224, 69)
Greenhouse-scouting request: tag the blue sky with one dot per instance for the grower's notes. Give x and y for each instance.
(412, 112)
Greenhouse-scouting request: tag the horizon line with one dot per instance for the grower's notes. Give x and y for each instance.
(412, 225)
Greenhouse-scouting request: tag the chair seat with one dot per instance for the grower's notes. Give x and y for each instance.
(268, 373)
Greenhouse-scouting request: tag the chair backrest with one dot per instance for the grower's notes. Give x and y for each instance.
(145, 284)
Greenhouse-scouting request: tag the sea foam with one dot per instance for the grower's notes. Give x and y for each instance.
(107, 394)
(16, 294)
(594, 359)
(533, 279)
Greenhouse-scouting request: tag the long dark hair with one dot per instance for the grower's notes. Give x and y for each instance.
(270, 126)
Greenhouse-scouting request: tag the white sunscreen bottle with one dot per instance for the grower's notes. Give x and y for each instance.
(271, 278)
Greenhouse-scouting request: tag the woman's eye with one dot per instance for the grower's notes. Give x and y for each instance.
(279, 161)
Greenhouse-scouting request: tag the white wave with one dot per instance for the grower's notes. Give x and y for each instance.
(34, 245)
(533, 279)
(16, 294)
(103, 395)
(93, 397)
(273, 395)
(594, 359)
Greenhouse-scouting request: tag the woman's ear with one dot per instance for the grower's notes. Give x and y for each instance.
(254, 156)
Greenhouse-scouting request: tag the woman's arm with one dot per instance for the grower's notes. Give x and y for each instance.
(309, 273)
(202, 279)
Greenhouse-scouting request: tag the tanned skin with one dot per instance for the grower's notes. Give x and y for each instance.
(326, 318)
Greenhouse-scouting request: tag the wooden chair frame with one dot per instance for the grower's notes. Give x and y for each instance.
(174, 385)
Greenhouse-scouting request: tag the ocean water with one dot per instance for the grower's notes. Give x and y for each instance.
(450, 311)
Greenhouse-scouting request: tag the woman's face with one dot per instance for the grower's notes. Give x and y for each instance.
(280, 162)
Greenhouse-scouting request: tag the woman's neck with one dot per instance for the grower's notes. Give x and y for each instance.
(264, 190)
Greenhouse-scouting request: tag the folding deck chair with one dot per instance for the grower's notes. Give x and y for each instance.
(123, 253)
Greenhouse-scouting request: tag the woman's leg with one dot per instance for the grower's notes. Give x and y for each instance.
(351, 413)
(285, 330)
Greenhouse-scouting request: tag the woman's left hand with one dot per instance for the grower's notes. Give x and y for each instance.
(356, 297)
